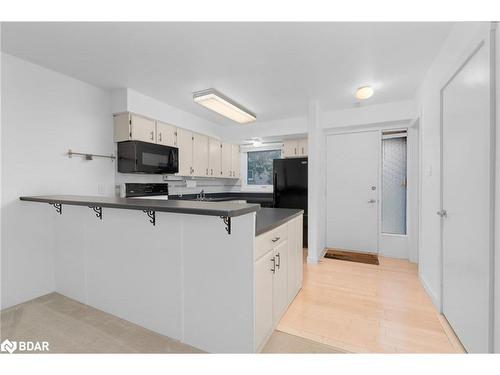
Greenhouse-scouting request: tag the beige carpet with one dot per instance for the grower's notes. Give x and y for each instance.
(72, 327)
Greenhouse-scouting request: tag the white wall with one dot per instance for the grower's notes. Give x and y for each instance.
(44, 114)
(370, 115)
(452, 53)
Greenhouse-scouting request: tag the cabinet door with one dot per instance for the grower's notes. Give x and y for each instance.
(166, 134)
(299, 259)
(200, 155)
(235, 161)
(214, 159)
(280, 294)
(303, 147)
(185, 144)
(292, 259)
(142, 129)
(290, 148)
(121, 127)
(263, 298)
(226, 156)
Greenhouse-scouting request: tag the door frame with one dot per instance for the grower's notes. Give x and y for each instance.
(411, 238)
(478, 44)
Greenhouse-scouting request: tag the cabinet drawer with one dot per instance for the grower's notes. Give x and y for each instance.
(267, 241)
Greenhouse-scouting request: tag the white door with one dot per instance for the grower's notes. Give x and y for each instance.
(303, 147)
(235, 161)
(263, 297)
(166, 134)
(226, 156)
(280, 281)
(214, 162)
(200, 155)
(467, 200)
(290, 148)
(352, 191)
(143, 129)
(185, 144)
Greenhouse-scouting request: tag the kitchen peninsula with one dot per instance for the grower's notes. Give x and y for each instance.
(215, 275)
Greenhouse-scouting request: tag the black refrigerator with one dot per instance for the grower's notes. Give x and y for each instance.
(290, 186)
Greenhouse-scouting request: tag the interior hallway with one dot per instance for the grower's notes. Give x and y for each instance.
(367, 308)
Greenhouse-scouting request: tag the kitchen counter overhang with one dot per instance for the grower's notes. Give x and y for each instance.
(224, 209)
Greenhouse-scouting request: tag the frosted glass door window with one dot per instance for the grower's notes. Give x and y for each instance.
(394, 185)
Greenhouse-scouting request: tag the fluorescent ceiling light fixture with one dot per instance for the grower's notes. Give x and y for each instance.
(364, 92)
(217, 102)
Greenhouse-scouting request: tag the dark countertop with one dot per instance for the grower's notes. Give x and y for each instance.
(270, 218)
(227, 209)
(250, 197)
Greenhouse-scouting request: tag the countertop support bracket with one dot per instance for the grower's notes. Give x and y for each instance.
(227, 221)
(97, 210)
(58, 207)
(152, 216)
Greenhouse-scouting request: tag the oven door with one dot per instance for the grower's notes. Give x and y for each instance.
(143, 157)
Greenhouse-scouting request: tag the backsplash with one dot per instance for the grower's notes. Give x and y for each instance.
(177, 185)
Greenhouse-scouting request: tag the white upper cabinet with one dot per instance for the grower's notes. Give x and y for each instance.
(166, 134)
(185, 144)
(295, 148)
(142, 129)
(235, 161)
(128, 126)
(226, 156)
(302, 147)
(214, 158)
(290, 148)
(200, 155)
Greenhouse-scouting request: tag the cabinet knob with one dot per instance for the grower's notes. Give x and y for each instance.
(152, 135)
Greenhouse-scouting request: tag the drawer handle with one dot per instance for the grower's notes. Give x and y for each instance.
(274, 264)
(275, 239)
(278, 257)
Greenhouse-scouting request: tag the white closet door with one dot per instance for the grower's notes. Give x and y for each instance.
(352, 191)
(466, 198)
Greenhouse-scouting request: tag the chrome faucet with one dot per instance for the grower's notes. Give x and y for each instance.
(201, 196)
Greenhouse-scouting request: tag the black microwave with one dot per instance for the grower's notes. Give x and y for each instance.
(144, 157)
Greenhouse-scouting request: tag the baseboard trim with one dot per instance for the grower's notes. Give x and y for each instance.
(435, 300)
(451, 335)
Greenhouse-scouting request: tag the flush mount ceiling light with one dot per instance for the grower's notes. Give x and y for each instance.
(364, 92)
(217, 102)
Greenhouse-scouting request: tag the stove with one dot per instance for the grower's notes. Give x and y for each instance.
(144, 190)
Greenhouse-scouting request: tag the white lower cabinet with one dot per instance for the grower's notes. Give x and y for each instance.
(280, 281)
(263, 297)
(278, 276)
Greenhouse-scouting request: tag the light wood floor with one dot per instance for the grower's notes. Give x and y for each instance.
(366, 308)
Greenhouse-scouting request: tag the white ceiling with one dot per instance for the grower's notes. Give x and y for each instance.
(273, 69)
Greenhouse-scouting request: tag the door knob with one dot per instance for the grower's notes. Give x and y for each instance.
(442, 213)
